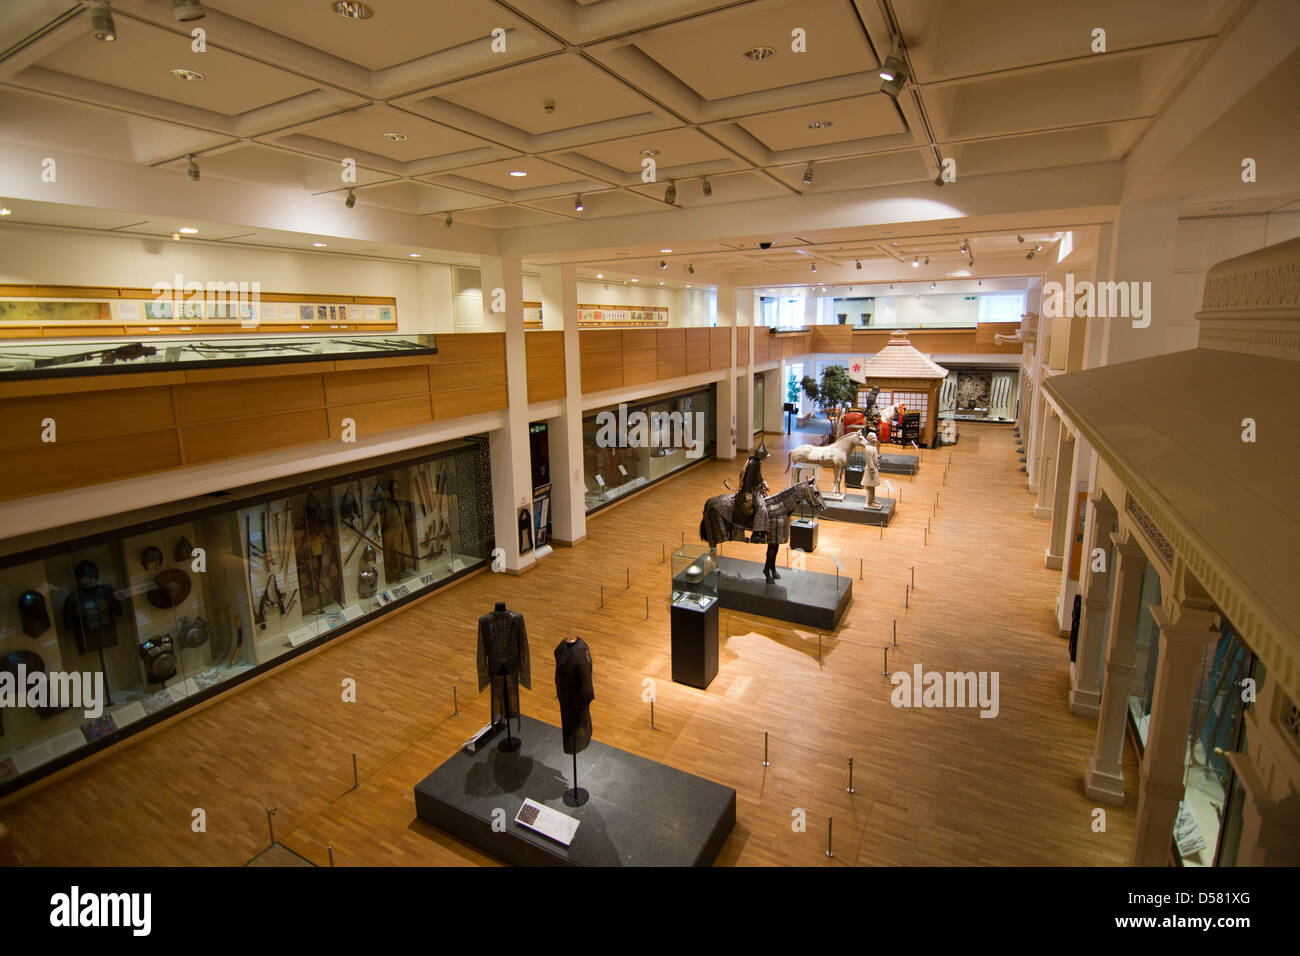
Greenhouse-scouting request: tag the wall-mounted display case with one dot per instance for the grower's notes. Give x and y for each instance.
(49, 359)
(628, 447)
(170, 610)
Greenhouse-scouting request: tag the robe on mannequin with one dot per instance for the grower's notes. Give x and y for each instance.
(574, 689)
(503, 659)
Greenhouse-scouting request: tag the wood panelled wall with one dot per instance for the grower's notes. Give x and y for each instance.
(545, 355)
(619, 358)
(844, 339)
(119, 426)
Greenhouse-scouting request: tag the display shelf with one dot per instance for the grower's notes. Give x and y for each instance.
(21, 361)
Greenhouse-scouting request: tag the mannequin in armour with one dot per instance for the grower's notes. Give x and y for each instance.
(503, 660)
(89, 613)
(574, 689)
(871, 474)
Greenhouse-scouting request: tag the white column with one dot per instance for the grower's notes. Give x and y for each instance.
(726, 436)
(568, 503)
(1143, 252)
(1046, 477)
(1270, 827)
(745, 369)
(1034, 441)
(1185, 633)
(511, 465)
(1085, 674)
(1058, 540)
(1104, 779)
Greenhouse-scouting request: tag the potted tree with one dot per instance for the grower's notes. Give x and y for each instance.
(834, 395)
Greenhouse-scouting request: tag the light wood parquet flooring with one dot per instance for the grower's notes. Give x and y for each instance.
(933, 786)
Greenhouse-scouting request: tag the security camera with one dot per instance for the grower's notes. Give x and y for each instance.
(765, 245)
(548, 106)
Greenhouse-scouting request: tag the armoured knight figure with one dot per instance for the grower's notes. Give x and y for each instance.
(750, 510)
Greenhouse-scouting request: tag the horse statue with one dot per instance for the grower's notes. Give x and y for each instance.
(834, 456)
(717, 525)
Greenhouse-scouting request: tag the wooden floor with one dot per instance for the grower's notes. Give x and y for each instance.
(933, 786)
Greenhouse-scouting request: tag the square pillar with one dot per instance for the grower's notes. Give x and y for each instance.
(727, 434)
(1185, 633)
(1094, 584)
(1048, 441)
(512, 474)
(1104, 779)
(568, 499)
(1063, 487)
(744, 379)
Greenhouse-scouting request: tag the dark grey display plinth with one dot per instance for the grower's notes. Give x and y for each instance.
(695, 644)
(803, 535)
(801, 597)
(853, 476)
(852, 509)
(640, 813)
(900, 464)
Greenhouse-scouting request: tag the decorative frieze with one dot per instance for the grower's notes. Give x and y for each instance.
(1150, 531)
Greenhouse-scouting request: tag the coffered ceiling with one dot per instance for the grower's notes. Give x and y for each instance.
(436, 116)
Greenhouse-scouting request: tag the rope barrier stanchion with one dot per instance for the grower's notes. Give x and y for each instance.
(830, 827)
(766, 761)
(850, 787)
(885, 672)
(455, 702)
(356, 779)
(270, 825)
(895, 641)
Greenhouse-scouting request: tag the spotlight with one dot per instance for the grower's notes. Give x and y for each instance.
(808, 175)
(577, 203)
(814, 267)
(859, 264)
(691, 269)
(662, 264)
(1020, 238)
(915, 262)
(187, 10)
(102, 26)
(670, 194)
(351, 200)
(447, 222)
(706, 186)
(927, 260)
(893, 64)
(192, 169)
(938, 180)
(965, 245)
(931, 285)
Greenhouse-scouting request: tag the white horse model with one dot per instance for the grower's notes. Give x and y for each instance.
(834, 456)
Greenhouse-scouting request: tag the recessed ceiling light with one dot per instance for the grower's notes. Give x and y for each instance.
(821, 124)
(517, 172)
(665, 250)
(176, 237)
(688, 285)
(188, 230)
(6, 211)
(600, 275)
(319, 245)
(661, 282)
(636, 280)
(353, 11)
(396, 137)
(759, 53)
(414, 255)
(190, 75)
(649, 152)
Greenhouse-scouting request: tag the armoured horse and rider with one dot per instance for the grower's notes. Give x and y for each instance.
(751, 515)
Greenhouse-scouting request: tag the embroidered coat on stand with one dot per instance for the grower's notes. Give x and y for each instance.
(503, 660)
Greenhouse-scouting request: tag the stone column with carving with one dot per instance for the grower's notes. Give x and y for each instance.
(1104, 779)
(1187, 627)
(1095, 578)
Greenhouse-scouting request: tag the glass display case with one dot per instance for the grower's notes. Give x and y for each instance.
(163, 612)
(695, 577)
(628, 447)
(46, 359)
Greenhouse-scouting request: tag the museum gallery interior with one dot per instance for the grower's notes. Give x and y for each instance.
(880, 414)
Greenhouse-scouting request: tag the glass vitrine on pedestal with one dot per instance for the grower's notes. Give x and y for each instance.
(694, 615)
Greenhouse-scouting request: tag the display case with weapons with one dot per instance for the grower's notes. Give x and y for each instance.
(267, 538)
